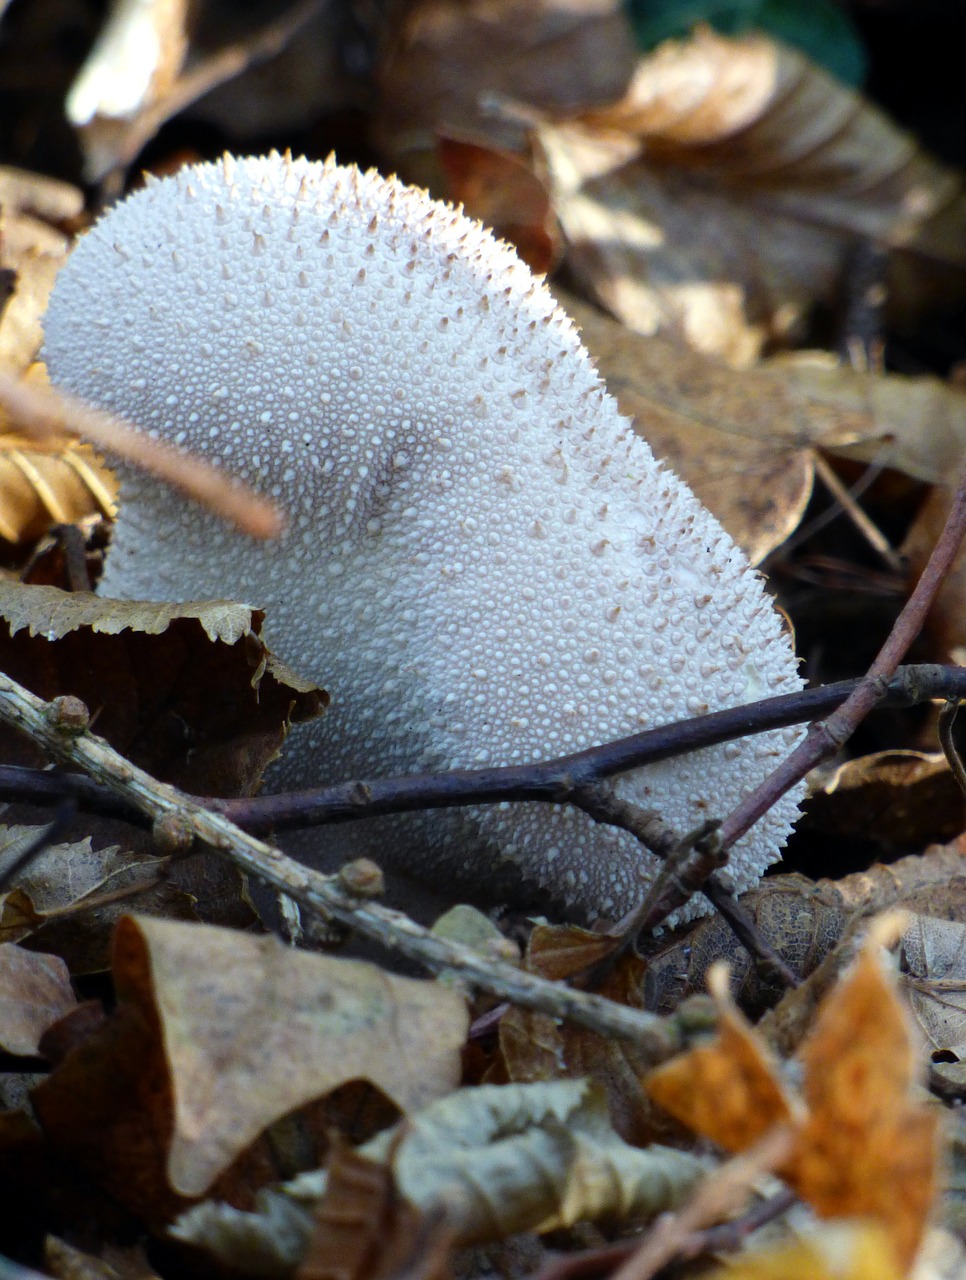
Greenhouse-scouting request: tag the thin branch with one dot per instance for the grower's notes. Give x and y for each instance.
(825, 737)
(566, 779)
(60, 730)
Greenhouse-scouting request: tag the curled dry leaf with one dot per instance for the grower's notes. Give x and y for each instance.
(746, 173)
(364, 1231)
(795, 918)
(934, 955)
(57, 481)
(865, 1148)
(71, 895)
(536, 1047)
(894, 798)
(134, 64)
(189, 692)
(35, 991)
(492, 1161)
(806, 922)
(222, 1033)
(743, 438)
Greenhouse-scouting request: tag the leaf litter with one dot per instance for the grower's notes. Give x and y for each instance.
(709, 194)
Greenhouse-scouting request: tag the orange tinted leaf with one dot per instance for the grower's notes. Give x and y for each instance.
(728, 1090)
(867, 1150)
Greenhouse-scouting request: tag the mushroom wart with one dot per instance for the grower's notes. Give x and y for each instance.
(483, 564)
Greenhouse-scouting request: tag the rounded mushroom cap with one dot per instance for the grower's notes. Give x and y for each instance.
(484, 565)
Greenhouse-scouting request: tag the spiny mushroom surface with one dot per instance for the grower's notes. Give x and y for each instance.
(484, 565)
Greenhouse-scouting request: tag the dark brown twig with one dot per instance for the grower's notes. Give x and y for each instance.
(554, 781)
(825, 737)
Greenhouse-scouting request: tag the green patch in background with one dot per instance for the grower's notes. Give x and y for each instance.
(818, 27)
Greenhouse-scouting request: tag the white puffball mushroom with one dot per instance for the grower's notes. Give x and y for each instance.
(483, 564)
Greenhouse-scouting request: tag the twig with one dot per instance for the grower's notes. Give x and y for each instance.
(555, 781)
(559, 781)
(825, 737)
(687, 1233)
(848, 505)
(62, 733)
(42, 412)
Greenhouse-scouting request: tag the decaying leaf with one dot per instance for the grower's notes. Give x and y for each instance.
(536, 1047)
(492, 1161)
(35, 991)
(895, 798)
(364, 1231)
(188, 692)
(72, 894)
(133, 65)
(796, 918)
(934, 955)
(735, 176)
(864, 1147)
(225, 1033)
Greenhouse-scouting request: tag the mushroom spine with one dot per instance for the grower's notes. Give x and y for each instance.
(483, 564)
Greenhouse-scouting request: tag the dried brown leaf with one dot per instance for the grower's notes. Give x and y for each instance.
(760, 115)
(219, 1033)
(742, 438)
(946, 623)
(57, 480)
(908, 882)
(934, 955)
(503, 191)
(914, 425)
(892, 797)
(364, 1231)
(865, 1148)
(71, 895)
(536, 1047)
(35, 991)
(25, 193)
(788, 911)
(445, 64)
(723, 432)
(53, 484)
(752, 173)
(189, 692)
